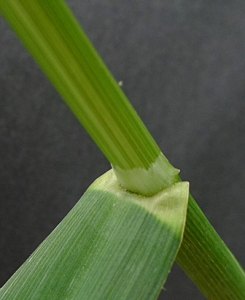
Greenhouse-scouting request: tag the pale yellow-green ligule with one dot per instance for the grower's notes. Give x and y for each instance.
(148, 181)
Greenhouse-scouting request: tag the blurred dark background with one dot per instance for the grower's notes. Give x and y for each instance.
(182, 64)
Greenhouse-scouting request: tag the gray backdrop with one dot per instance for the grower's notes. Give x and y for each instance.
(182, 64)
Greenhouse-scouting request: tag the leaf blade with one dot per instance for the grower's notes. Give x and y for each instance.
(106, 247)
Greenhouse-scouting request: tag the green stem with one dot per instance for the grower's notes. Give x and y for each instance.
(54, 38)
(207, 260)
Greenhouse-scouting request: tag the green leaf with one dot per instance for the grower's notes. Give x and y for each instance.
(112, 245)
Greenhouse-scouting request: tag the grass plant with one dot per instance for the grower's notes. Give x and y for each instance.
(122, 237)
